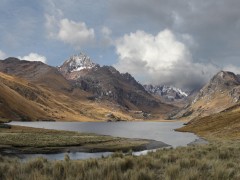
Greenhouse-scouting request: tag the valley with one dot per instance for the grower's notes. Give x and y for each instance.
(82, 91)
(119, 90)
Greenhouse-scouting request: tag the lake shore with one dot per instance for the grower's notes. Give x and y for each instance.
(20, 139)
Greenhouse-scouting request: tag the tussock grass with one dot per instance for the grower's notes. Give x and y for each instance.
(212, 161)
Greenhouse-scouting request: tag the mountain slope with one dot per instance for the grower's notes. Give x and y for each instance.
(22, 100)
(17, 100)
(106, 83)
(35, 72)
(36, 91)
(59, 99)
(222, 92)
(223, 125)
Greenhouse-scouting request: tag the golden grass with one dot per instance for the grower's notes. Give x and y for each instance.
(22, 100)
(208, 105)
(214, 161)
(224, 125)
(54, 99)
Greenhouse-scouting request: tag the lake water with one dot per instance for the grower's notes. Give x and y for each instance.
(159, 131)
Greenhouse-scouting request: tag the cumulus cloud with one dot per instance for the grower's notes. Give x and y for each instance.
(75, 33)
(70, 32)
(34, 57)
(215, 25)
(2, 55)
(160, 59)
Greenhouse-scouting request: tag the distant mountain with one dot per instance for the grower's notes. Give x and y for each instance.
(170, 93)
(222, 92)
(106, 83)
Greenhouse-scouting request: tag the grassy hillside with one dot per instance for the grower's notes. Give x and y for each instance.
(53, 97)
(22, 100)
(224, 125)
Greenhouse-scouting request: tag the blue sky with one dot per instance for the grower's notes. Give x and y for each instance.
(181, 43)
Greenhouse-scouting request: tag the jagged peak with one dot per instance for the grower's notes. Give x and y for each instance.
(165, 90)
(77, 63)
(223, 74)
(225, 77)
(223, 81)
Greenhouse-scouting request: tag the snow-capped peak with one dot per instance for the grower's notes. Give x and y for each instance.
(166, 91)
(172, 88)
(79, 62)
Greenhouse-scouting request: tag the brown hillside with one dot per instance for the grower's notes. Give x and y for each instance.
(21, 100)
(224, 125)
(222, 92)
(35, 72)
(36, 91)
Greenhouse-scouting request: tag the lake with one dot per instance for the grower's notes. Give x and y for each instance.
(159, 131)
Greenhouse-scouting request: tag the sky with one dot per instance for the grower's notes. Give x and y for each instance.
(173, 42)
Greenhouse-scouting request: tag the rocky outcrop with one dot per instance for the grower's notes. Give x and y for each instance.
(222, 82)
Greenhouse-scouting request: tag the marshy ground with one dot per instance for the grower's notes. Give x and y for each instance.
(20, 139)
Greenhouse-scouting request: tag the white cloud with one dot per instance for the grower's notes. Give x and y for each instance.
(34, 57)
(70, 32)
(160, 59)
(75, 33)
(2, 55)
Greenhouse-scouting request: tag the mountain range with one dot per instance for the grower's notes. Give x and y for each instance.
(77, 90)
(81, 90)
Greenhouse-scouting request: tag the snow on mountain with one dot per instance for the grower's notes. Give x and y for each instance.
(169, 92)
(77, 63)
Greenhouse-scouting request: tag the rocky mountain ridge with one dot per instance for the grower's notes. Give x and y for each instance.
(72, 67)
(106, 83)
(170, 93)
(32, 90)
(221, 93)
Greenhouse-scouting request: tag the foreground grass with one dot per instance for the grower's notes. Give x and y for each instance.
(33, 140)
(213, 161)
